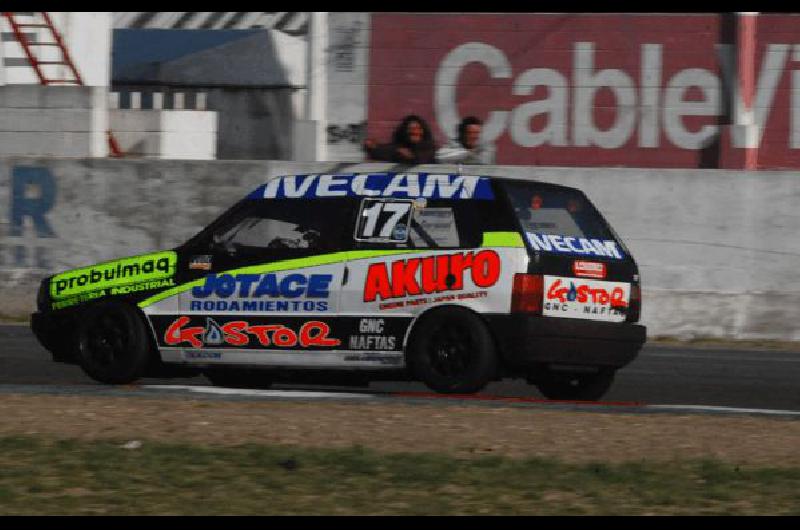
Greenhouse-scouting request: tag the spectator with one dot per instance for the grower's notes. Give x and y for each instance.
(412, 143)
(467, 147)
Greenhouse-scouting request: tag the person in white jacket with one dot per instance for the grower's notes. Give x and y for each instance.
(467, 147)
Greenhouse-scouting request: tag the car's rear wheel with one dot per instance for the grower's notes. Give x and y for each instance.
(114, 345)
(452, 351)
(235, 377)
(576, 386)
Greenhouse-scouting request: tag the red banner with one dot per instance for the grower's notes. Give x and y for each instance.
(591, 90)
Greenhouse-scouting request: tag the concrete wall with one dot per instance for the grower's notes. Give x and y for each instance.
(251, 123)
(717, 250)
(171, 134)
(66, 121)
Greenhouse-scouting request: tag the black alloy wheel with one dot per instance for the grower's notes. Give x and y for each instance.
(452, 351)
(113, 343)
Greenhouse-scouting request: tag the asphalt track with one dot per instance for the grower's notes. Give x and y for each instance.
(662, 377)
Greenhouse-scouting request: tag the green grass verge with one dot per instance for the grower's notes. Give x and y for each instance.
(42, 476)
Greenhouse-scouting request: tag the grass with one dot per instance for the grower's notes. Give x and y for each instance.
(46, 476)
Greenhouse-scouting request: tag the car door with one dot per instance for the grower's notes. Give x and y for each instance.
(410, 255)
(265, 284)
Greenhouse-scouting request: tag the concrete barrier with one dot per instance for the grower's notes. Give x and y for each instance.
(717, 250)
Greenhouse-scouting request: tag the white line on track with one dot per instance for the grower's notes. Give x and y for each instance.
(258, 392)
(345, 395)
(709, 408)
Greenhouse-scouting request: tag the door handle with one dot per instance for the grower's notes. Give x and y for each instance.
(345, 275)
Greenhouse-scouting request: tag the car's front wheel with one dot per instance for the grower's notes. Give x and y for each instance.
(114, 345)
(452, 351)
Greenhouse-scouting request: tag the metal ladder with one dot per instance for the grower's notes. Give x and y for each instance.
(17, 28)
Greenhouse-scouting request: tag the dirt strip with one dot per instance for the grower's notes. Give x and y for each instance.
(456, 430)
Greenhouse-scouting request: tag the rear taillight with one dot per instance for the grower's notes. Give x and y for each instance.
(527, 294)
(635, 304)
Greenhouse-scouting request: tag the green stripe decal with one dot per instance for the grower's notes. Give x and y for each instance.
(502, 239)
(277, 266)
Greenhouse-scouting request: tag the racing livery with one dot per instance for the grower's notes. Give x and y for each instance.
(454, 280)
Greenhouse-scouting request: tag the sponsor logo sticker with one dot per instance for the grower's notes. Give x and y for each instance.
(580, 246)
(241, 333)
(586, 299)
(432, 274)
(372, 338)
(412, 185)
(200, 263)
(145, 270)
(589, 269)
(246, 292)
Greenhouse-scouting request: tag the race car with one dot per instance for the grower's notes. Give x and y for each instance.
(450, 279)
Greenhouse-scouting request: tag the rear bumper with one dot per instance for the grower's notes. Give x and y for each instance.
(529, 341)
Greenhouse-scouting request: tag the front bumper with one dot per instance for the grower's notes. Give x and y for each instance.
(57, 334)
(529, 341)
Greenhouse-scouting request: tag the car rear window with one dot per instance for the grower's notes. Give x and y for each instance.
(561, 220)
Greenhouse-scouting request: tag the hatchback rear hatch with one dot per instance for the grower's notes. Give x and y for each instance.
(579, 266)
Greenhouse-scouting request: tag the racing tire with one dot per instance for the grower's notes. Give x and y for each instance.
(575, 386)
(452, 352)
(233, 377)
(114, 345)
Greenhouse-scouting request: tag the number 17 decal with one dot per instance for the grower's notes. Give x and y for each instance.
(383, 220)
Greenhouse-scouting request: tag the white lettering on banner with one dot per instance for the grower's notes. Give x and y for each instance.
(646, 104)
(587, 84)
(555, 132)
(574, 245)
(676, 107)
(446, 85)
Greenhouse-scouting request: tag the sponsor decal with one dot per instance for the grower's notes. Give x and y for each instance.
(257, 306)
(264, 285)
(375, 340)
(241, 333)
(114, 274)
(195, 354)
(123, 289)
(246, 289)
(399, 185)
(588, 299)
(431, 274)
(200, 263)
(371, 357)
(589, 269)
(575, 245)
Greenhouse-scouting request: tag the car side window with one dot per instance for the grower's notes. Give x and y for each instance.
(308, 225)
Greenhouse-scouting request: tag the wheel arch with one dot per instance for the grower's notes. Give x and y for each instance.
(151, 335)
(431, 310)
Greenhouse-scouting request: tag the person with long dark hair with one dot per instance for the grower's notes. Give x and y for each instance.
(412, 143)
